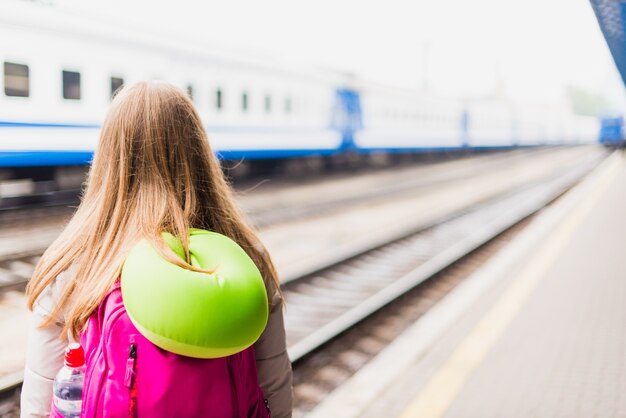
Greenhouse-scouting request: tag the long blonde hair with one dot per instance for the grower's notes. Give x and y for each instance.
(153, 171)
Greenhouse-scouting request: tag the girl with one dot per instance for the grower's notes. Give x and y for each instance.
(153, 171)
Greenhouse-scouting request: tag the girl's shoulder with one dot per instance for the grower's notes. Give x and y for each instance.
(48, 299)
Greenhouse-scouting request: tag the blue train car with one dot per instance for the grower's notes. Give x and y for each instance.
(612, 132)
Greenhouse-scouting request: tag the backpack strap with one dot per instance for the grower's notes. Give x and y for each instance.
(132, 405)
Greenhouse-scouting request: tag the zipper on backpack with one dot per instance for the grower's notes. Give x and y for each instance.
(130, 365)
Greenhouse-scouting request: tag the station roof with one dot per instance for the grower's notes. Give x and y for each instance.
(611, 15)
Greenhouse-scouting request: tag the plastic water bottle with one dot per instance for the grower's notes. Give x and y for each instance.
(68, 384)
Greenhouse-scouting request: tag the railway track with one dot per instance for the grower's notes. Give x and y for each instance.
(40, 199)
(406, 181)
(23, 207)
(329, 302)
(23, 194)
(15, 270)
(9, 395)
(325, 303)
(327, 368)
(340, 318)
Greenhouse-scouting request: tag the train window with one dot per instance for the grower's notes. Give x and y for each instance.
(244, 101)
(219, 103)
(288, 105)
(116, 84)
(190, 91)
(268, 104)
(16, 80)
(71, 85)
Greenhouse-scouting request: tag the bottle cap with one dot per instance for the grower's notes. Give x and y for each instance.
(74, 355)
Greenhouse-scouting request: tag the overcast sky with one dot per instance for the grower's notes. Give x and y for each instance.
(530, 49)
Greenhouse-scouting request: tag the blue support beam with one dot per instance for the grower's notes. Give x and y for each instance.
(611, 15)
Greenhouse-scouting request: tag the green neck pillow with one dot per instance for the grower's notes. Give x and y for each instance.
(196, 314)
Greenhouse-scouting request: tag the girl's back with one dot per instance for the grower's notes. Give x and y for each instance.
(153, 172)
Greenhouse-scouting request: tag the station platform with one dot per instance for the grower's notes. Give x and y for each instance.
(539, 331)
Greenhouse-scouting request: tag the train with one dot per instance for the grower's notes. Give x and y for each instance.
(61, 70)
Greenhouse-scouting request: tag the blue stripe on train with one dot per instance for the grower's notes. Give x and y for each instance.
(54, 158)
(210, 129)
(24, 158)
(43, 158)
(274, 153)
(10, 124)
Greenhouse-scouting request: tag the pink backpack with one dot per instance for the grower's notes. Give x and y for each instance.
(128, 376)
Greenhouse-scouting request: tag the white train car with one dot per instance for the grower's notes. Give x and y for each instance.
(407, 121)
(553, 125)
(586, 129)
(490, 124)
(59, 72)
